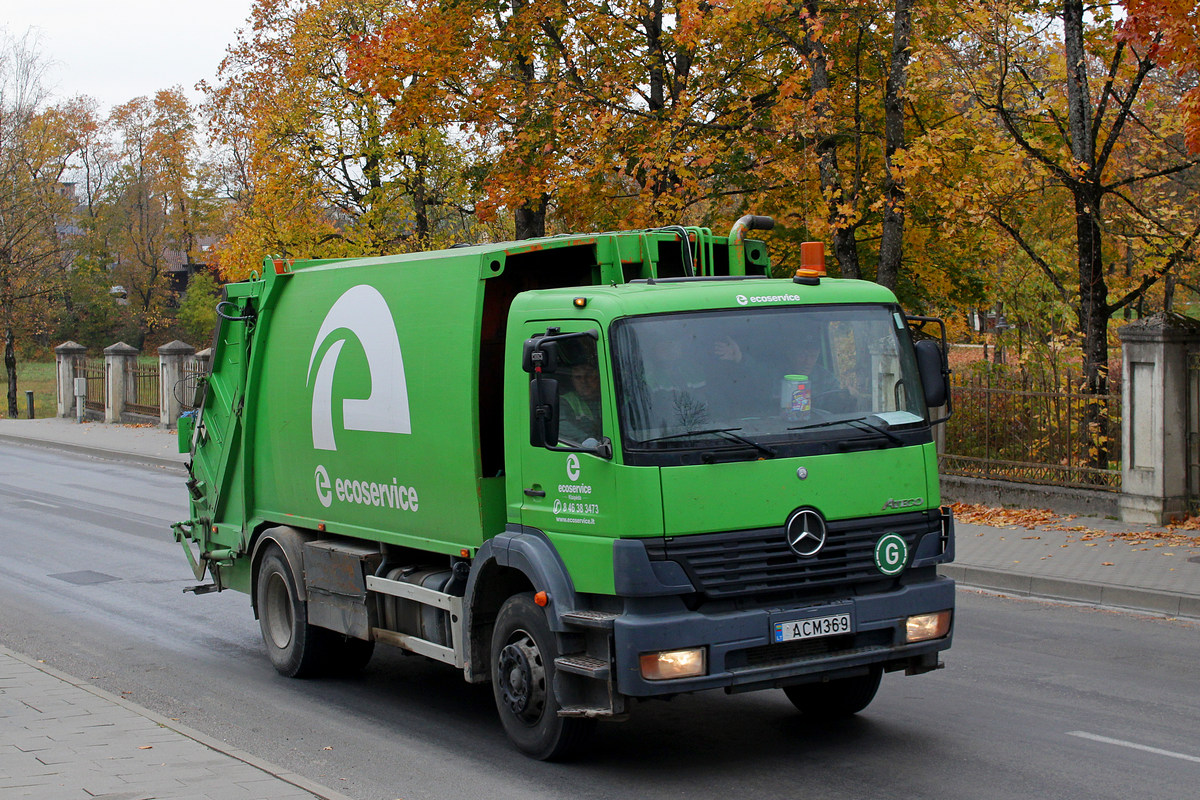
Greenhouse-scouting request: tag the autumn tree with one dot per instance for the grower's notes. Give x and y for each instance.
(314, 169)
(1169, 32)
(156, 204)
(36, 141)
(1088, 141)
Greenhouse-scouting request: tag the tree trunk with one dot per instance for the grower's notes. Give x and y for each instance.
(891, 248)
(845, 246)
(10, 368)
(1093, 291)
(7, 309)
(530, 218)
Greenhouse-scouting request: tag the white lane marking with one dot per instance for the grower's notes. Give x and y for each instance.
(1133, 746)
(38, 503)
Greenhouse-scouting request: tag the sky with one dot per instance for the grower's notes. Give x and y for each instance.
(117, 50)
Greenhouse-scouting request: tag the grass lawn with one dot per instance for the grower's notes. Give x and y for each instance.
(35, 375)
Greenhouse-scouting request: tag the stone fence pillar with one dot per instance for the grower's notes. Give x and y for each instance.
(118, 379)
(172, 358)
(204, 361)
(1155, 417)
(66, 356)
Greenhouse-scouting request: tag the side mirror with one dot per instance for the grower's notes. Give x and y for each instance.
(543, 412)
(931, 366)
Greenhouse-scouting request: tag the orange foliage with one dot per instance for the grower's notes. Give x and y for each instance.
(1170, 29)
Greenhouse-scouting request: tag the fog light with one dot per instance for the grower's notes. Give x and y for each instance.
(673, 664)
(924, 627)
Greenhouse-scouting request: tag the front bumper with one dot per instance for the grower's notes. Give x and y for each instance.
(742, 654)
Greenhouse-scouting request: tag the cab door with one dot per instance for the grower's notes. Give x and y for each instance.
(565, 490)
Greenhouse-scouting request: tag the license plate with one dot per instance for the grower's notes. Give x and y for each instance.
(813, 628)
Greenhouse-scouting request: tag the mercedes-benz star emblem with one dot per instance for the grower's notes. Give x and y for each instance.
(805, 530)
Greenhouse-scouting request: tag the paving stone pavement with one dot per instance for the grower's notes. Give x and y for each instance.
(61, 739)
(1101, 562)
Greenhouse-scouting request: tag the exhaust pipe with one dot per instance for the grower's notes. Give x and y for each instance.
(750, 222)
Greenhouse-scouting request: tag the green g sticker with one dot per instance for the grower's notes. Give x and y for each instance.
(891, 554)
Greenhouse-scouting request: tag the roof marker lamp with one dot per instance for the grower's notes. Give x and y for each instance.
(667, 664)
(581, 302)
(923, 627)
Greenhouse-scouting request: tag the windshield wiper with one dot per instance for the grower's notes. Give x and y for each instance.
(862, 421)
(893, 437)
(762, 448)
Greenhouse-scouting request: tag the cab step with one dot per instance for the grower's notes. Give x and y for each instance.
(582, 664)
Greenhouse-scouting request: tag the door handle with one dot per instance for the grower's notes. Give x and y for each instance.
(535, 493)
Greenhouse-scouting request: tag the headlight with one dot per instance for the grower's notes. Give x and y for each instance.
(669, 664)
(924, 627)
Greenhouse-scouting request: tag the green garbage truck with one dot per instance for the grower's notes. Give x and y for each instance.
(586, 469)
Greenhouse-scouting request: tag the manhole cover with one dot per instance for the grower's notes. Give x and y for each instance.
(85, 578)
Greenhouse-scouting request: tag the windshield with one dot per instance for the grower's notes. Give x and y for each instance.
(765, 377)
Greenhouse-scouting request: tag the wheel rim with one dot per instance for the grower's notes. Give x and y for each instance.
(522, 677)
(277, 611)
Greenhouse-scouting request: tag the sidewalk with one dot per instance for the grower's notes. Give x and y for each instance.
(148, 445)
(1083, 560)
(60, 738)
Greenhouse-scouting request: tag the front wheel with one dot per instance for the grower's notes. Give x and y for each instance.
(835, 699)
(523, 653)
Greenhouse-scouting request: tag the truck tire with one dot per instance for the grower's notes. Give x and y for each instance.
(523, 653)
(835, 699)
(294, 647)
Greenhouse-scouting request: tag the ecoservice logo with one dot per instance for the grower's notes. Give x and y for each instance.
(360, 312)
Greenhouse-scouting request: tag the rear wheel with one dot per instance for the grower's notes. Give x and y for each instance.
(523, 653)
(294, 646)
(835, 699)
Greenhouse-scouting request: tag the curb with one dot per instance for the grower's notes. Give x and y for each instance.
(1097, 594)
(291, 778)
(99, 452)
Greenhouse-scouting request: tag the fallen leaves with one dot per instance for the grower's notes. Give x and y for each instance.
(1172, 535)
(979, 514)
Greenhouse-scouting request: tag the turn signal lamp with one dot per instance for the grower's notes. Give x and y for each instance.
(924, 627)
(812, 257)
(668, 664)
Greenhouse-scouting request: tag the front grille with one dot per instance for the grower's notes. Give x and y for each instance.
(759, 562)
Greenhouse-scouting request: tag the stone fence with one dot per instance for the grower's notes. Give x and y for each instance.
(120, 389)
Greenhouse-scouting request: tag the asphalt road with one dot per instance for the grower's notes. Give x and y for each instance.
(1037, 700)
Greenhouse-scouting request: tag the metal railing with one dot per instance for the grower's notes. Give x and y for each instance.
(144, 399)
(92, 369)
(1032, 427)
(1192, 440)
(195, 372)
